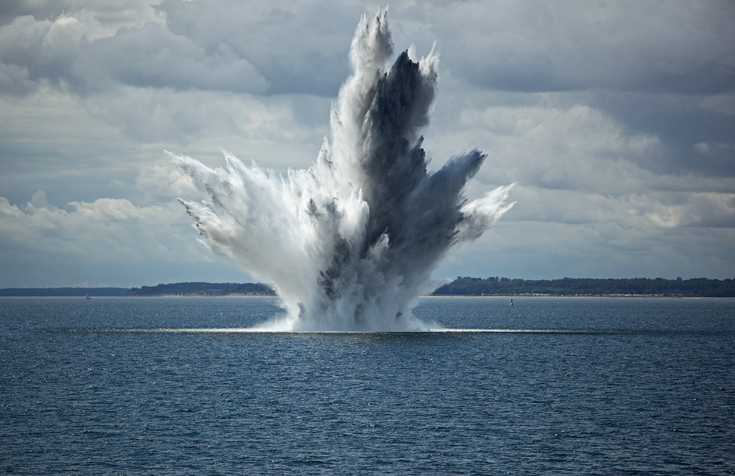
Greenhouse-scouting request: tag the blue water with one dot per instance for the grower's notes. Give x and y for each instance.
(571, 386)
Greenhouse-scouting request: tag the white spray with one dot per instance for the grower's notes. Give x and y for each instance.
(349, 243)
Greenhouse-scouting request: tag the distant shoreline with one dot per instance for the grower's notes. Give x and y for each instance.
(524, 296)
(462, 286)
(437, 296)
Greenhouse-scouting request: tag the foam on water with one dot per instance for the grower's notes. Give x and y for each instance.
(349, 243)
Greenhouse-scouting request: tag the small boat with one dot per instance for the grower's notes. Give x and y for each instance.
(511, 302)
(87, 296)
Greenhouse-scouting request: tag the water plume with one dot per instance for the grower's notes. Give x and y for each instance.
(349, 243)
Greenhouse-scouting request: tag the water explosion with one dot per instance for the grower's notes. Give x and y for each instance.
(349, 243)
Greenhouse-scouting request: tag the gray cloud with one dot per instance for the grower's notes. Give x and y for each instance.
(675, 47)
(146, 56)
(299, 48)
(112, 12)
(683, 48)
(203, 45)
(680, 122)
(614, 118)
(153, 56)
(11, 9)
(32, 51)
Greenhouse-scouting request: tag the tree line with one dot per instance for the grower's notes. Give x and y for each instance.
(497, 286)
(202, 289)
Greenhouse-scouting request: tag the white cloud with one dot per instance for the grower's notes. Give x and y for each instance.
(149, 115)
(575, 147)
(104, 230)
(633, 210)
(49, 246)
(34, 51)
(611, 250)
(695, 210)
(159, 181)
(724, 103)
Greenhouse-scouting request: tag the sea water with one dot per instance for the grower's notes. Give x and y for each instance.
(546, 386)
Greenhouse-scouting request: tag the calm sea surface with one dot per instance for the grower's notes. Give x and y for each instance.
(570, 386)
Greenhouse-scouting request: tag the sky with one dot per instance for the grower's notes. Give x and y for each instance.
(616, 120)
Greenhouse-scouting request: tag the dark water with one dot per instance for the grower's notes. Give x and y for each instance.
(622, 386)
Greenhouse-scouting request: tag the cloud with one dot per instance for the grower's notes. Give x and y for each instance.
(680, 47)
(610, 250)
(553, 146)
(153, 56)
(15, 79)
(111, 13)
(45, 43)
(615, 119)
(103, 229)
(148, 115)
(642, 210)
(159, 182)
(65, 53)
(50, 246)
(680, 121)
(298, 47)
(676, 47)
(213, 46)
(694, 210)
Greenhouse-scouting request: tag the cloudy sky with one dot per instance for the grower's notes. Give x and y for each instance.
(616, 119)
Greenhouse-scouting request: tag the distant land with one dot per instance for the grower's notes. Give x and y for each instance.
(462, 286)
(203, 289)
(173, 289)
(496, 286)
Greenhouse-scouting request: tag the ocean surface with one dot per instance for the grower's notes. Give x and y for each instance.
(546, 386)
